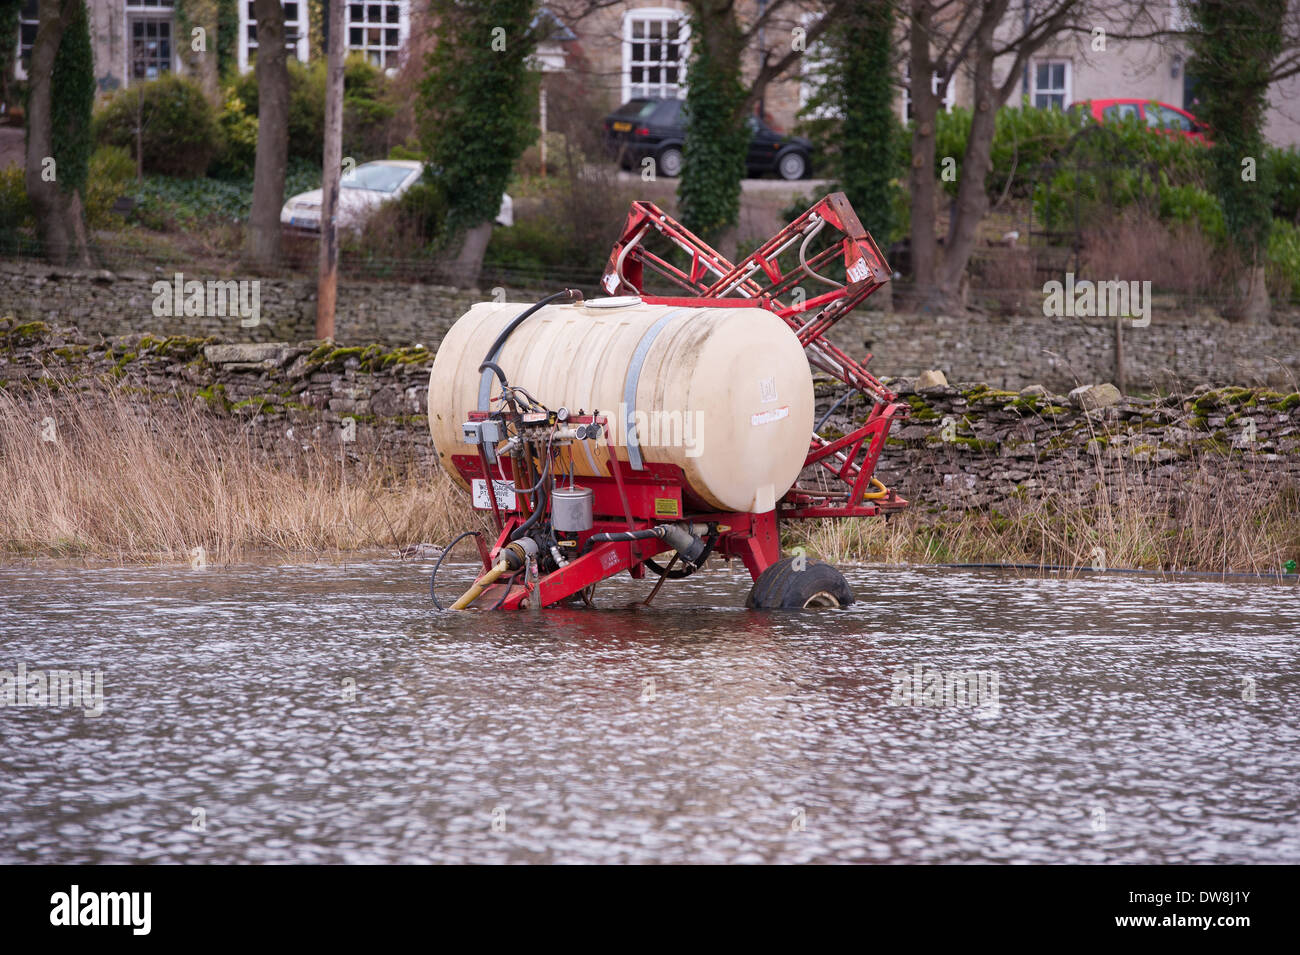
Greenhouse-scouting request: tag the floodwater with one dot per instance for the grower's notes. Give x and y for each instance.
(330, 714)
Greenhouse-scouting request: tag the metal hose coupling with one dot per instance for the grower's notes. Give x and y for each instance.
(517, 553)
(681, 538)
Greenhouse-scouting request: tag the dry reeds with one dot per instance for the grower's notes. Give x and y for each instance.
(1103, 514)
(90, 474)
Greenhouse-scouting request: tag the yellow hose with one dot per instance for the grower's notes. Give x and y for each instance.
(875, 495)
(480, 585)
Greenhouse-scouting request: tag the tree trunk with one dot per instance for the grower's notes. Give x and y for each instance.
(1252, 304)
(468, 263)
(328, 278)
(272, 135)
(202, 63)
(972, 199)
(921, 181)
(60, 222)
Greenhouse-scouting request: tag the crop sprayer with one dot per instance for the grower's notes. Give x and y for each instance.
(606, 435)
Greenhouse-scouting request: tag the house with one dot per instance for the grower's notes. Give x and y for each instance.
(636, 48)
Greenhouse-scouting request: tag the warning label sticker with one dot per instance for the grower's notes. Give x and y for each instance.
(505, 492)
(666, 507)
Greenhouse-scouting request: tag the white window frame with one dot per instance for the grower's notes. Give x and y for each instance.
(19, 72)
(1066, 92)
(949, 96)
(302, 24)
(137, 9)
(393, 56)
(812, 65)
(656, 14)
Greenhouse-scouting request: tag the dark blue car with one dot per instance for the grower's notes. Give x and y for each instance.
(656, 128)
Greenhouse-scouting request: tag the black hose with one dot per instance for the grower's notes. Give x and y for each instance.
(613, 537)
(826, 417)
(447, 550)
(687, 569)
(570, 293)
(500, 374)
(505, 592)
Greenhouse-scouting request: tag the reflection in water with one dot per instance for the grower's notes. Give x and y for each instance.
(329, 714)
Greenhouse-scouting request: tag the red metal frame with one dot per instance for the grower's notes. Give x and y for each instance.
(628, 499)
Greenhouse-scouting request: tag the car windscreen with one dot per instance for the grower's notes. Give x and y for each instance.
(377, 177)
(668, 113)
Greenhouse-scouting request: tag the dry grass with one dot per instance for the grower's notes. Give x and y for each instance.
(118, 485)
(1216, 522)
(1176, 257)
(127, 488)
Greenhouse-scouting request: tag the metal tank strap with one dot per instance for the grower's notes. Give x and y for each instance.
(629, 388)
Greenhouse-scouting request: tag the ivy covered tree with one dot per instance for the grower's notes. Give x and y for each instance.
(9, 11)
(852, 109)
(1233, 51)
(61, 96)
(475, 114)
(200, 53)
(713, 161)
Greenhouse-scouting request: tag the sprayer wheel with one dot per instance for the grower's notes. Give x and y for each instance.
(814, 585)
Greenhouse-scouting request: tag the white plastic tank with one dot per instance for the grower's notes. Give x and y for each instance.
(724, 393)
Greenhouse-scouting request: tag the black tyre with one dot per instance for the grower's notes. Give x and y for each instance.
(812, 585)
(792, 165)
(670, 162)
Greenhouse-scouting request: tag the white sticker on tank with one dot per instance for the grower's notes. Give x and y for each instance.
(767, 417)
(767, 390)
(611, 283)
(505, 492)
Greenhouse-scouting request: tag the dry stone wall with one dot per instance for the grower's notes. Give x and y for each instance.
(962, 447)
(1177, 351)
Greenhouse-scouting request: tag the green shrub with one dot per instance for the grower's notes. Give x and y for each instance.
(111, 172)
(15, 210)
(1286, 182)
(180, 134)
(238, 139)
(415, 223)
(1193, 204)
(1282, 259)
(306, 106)
(367, 108)
(166, 204)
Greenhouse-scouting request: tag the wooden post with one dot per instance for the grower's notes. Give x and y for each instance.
(1119, 354)
(327, 281)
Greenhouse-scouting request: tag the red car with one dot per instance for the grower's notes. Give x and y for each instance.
(1161, 117)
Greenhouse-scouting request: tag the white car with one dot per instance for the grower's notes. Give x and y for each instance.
(362, 191)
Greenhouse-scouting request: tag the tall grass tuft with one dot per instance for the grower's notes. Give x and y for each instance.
(1220, 519)
(88, 474)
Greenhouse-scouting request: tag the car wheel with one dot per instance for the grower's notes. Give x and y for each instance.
(792, 165)
(670, 162)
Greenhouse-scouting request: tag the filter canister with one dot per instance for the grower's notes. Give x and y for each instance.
(571, 509)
